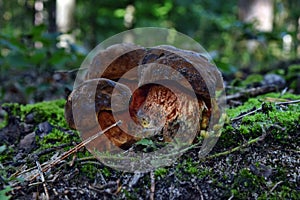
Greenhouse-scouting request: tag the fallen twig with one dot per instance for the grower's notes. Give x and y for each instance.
(71, 71)
(71, 151)
(152, 187)
(260, 138)
(200, 192)
(287, 102)
(246, 114)
(260, 108)
(273, 188)
(135, 179)
(252, 92)
(42, 179)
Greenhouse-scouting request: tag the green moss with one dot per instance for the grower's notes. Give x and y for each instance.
(3, 122)
(246, 184)
(204, 172)
(244, 130)
(161, 172)
(254, 103)
(293, 71)
(252, 79)
(6, 154)
(51, 111)
(4, 193)
(254, 118)
(190, 167)
(278, 95)
(106, 172)
(278, 121)
(282, 192)
(89, 170)
(281, 121)
(247, 106)
(55, 138)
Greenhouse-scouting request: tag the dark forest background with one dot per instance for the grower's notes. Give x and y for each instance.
(42, 40)
(254, 43)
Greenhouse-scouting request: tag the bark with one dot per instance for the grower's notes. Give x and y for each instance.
(65, 10)
(52, 16)
(65, 15)
(258, 11)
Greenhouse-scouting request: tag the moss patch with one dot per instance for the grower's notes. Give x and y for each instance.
(280, 121)
(51, 111)
(226, 176)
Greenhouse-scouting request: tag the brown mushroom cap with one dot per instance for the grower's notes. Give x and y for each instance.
(116, 60)
(135, 66)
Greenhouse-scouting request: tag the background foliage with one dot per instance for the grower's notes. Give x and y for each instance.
(30, 56)
(33, 67)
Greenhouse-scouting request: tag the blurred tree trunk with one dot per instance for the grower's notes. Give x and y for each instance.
(260, 11)
(31, 10)
(65, 15)
(39, 14)
(298, 37)
(65, 10)
(52, 16)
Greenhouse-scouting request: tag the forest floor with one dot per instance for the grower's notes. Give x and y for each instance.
(256, 157)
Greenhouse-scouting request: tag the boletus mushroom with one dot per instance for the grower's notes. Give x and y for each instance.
(161, 93)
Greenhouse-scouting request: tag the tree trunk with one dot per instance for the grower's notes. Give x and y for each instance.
(65, 15)
(258, 11)
(52, 16)
(65, 10)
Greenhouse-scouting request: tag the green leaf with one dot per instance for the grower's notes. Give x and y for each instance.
(38, 56)
(17, 60)
(3, 192)
(59, 59)
(145, 142)
(2, 148)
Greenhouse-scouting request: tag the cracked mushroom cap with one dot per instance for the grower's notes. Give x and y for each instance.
(152, 89)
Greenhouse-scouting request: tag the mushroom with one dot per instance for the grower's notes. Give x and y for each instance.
(160, 92)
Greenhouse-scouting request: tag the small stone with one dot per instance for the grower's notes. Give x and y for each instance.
(44, 128)
(29, 119)
(28, 142)
(274, 79)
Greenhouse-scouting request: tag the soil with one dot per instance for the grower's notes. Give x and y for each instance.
(265, 169)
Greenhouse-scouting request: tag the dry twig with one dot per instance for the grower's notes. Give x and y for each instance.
(51, 164)
(252, 92)
(273, 188)
(152, 188)
(42, 179)
(260, 108)
(260, 138)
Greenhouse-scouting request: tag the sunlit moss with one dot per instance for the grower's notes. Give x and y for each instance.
(251, 79)
(160, 172)
(293, 71)
(280, 121)
(51, 111)
(56, 138)
(254, 103)
(4, 122)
